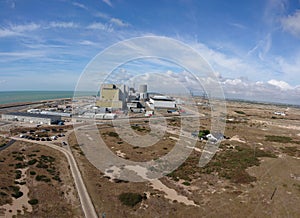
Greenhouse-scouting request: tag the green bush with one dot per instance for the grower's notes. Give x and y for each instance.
(20, 158)
(130, 199)
(18, 174)
(203, 133)
(239, 112)
(113, 134)
(33, 201)
(17, 194)
(20, 165)
(31, 162)
(42, 178)
(32, 173)
(186, 183)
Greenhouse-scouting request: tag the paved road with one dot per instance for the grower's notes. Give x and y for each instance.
(7, 144)
(86, 203)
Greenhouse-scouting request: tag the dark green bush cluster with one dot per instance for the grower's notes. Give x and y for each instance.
(18, 174)
(33, 201)
(32, 162)
(16, 191)
(130, 199)
(113, 134)
(42, 178)
(240, 112)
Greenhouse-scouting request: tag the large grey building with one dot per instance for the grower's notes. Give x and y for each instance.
(31, 118)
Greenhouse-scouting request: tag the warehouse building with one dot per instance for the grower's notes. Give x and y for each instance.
(160, 101)
(32, 118)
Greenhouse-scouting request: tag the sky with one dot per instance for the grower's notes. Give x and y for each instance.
(253, 46)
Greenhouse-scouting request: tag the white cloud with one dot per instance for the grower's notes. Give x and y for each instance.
(77, 4)
(96, 26)
(271, 91)
(119, 22)
(87, 42)
(63, 25)
(100, 26)
(108, 2)
(102, 15)
(291, 23)
(15, 30)
(238, 25)
(7, 32)
(280, 84)
(25, 28)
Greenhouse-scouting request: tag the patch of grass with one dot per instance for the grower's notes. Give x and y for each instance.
(230, 164)
(31, 155)
(57, 178)
(276, 138)
(292, 151)
(19, 158)
(113, 134)
(47, 158)
(186, 183)
(42, 165)
(130, 199)
(42, 178)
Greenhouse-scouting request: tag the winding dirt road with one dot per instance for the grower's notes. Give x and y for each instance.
(86, 203)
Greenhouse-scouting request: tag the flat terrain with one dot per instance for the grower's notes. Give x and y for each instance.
(255, 172)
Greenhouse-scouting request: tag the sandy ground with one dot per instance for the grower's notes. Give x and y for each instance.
(19, 204)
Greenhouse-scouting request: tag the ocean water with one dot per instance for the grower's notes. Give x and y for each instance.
(31, 96)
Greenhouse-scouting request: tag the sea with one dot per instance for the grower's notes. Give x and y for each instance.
(7, 97)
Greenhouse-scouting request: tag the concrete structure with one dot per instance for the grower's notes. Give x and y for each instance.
(31, 118)
(112, 96)
(160, 101)
(106, 116)
(134, 104)
(55, 113)
(143, 92)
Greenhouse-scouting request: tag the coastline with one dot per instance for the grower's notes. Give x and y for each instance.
(18, 104)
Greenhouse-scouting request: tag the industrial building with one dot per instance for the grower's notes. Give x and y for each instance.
(112, 96)
(143, 92)
(160, 101)
(32, 118)
(56, 113)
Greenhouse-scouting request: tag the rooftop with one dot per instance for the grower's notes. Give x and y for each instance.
(33, 115)
(162, 98)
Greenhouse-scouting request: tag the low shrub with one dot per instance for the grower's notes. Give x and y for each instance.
(130, 199)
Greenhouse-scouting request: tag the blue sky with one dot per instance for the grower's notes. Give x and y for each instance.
(254, 45)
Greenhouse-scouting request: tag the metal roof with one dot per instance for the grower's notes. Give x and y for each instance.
(34, 115)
